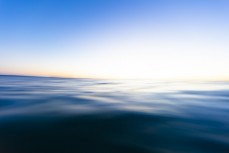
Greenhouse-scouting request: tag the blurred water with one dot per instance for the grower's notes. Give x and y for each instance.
(54, 115)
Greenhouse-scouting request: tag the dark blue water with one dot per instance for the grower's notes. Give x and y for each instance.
(53, 115)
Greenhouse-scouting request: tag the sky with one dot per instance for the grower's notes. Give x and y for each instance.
(127, 39)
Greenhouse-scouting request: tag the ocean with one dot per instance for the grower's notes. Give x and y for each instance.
(62, 115)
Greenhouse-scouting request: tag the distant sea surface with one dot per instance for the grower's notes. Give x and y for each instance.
(59, 115)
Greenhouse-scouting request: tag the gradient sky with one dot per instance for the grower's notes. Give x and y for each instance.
(149, 39)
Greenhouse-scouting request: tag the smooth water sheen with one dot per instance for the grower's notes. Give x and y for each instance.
(55, 115)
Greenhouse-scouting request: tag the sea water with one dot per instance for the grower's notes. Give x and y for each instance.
(60, 115)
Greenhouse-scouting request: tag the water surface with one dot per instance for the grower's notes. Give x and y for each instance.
(58, 115)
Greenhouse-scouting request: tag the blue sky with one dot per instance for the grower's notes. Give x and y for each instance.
(156, 39)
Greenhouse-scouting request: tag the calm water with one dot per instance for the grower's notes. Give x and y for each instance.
(53, 115)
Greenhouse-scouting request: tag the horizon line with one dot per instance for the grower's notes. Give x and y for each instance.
(62, 77)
